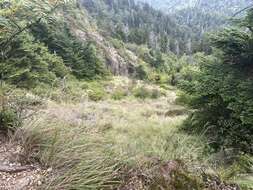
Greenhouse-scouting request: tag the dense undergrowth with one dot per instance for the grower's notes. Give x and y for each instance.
(221, 90)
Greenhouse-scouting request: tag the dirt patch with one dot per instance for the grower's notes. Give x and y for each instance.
(170, 175)
(15, 173)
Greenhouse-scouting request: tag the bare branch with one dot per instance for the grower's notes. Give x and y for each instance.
(242, 10)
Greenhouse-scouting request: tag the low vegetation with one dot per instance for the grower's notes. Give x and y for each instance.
(104, 145)
(173, 121)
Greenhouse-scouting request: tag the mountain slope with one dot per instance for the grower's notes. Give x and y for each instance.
(200, 16)
(222, 7)
(140, 24)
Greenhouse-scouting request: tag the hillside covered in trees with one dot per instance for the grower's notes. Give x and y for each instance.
(126, 95)
(224, 7)
(201, 16)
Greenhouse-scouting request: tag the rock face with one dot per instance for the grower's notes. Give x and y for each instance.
(87, 31)
(114, 62)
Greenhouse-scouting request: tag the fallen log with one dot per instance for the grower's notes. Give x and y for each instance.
(15, 169)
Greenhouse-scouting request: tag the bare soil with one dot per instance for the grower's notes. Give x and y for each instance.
(15, 173)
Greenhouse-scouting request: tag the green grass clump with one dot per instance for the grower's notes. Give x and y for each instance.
(145, 93)
(79, 158)
(96, 94)
(8, 120)
(240, 172)
(119, 94)
(15, 106)
(95, 90)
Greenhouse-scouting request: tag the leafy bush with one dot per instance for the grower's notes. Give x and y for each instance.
(15, 107)
(144, 93)
(96, 91)
(8, 120)
(96, 94)
(141, 93)
(155, 93)
(184, 98)
(141, 72)
(119, 94)
(225, 106)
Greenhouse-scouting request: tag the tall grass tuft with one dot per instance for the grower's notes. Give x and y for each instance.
(79, 158)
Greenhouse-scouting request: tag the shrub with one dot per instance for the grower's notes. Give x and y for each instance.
(96, 91)
(15, 107)
(175, 79)
(184, 99)
(141, 72)
(141, 92)
(8, 120)
(144, 93)
(96, 94)
(222, 90)
(119, 94)
(224, 106)
(155, 93)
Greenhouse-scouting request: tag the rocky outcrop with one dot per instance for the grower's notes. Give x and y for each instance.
(117, 64)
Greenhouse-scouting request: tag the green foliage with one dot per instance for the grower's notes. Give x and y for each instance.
(236, 45)
(15, 107)
(141, 24)
(38, 47)
(184, 98)
(223, 93)
(96, 94)
(82, 58)
(141, 73)
(144, 93)
(138, 36)
(96, 91)
(8, 119)
(29, 63)
(119, 94)
(155, 59)
(26, 62)
(225, 106)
